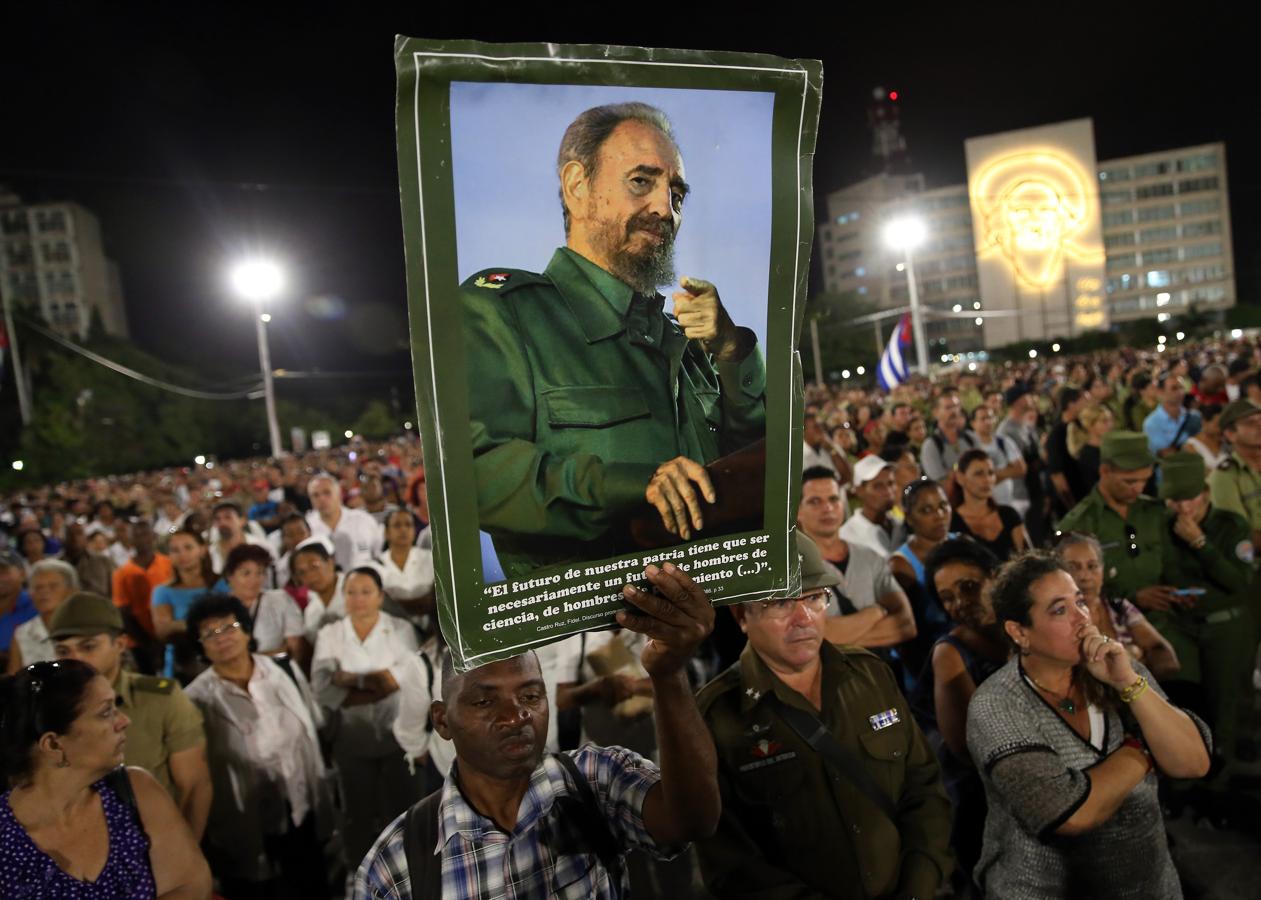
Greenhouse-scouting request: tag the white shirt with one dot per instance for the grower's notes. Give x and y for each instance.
(414, 580)
(317, 614)
(276, 617)
(858, 529)
(217, 555)
(356, 540)
(1211, 460)
(389, 645)
(270, 742)
(33, 640)
(812, 457)
(420, 686)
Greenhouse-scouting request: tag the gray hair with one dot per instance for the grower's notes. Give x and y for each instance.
(1073, 538)
(61, 567)
(586, 135)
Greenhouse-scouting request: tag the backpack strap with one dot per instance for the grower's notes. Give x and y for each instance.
(121, 785)
(596, 827)
(420, 835)
(286, 663)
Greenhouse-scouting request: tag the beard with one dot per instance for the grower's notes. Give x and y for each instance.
(644, 270)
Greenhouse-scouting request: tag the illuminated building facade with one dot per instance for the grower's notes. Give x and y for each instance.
(1051, 241)
(52, 260)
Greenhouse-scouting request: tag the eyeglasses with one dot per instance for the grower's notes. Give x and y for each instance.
(967, 587)
(815, 601)
(217, 632)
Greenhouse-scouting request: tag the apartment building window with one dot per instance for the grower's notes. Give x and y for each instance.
(1198, 251)
(1162, 255)
(1191, 185)
(1151, 169)
(1116, 198)
(1120, 283)
(1121, 173)
(847, 218)
(58, 252)
(47, 220)
(1206, 295)
(1120, 217)
(19, 253)
(1198, 163)
(1147, 192)
(13, 222)
(1155, 213)
(1201, 207)
(1201, 229)
(1157, 278)
(1158, 235)
(1120, 239)
(1122, 261)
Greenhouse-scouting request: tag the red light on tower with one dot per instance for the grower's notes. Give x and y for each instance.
(893, 95)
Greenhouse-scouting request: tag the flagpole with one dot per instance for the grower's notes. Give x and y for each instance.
(24, 400)
(917, 318)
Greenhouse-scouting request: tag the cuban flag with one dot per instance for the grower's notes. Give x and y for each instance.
(892, 370)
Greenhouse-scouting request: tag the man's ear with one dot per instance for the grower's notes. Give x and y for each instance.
(1016, 632)
(438, 712)
(741, 616)
(575, 189)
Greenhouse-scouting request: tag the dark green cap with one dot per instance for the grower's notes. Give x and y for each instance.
(1126, 450)
(1236, 410)
(85, 613)
(1182, 476)
(815, 573)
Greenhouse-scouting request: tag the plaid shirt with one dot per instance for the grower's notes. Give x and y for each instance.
(480, 861)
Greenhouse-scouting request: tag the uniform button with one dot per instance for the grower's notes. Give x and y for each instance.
(857, 830)
(648, 338)
(897, 753)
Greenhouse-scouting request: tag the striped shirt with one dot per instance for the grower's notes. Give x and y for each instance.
(481, 861)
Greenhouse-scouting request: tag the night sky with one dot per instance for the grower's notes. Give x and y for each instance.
(194, 130)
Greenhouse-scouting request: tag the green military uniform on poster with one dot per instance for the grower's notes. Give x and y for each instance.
(163, 722)
(1213, 637)
(789, 823)
(579, 389)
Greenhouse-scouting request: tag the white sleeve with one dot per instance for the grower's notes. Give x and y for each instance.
(411, 724)
(324, 665)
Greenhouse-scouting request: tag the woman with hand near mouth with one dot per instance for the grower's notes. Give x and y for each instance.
(73, 822)
(359, 664)
(1066, 737)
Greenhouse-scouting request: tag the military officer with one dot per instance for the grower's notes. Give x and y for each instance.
(1209, 557)
(1130, 526)
(859, 812)
(1236, 483)
(586, 399)
(165, 736)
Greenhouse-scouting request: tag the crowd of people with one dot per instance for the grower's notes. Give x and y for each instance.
(1026, 631)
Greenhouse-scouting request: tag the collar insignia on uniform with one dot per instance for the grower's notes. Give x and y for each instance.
(758, 728)
(752, 692)
(881, 721)
(494, 280)
(163, 683)
(764, 748)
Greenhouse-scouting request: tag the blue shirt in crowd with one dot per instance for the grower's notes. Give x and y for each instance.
(23, 611)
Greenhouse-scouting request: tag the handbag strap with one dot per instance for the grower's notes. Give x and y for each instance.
(820, 739)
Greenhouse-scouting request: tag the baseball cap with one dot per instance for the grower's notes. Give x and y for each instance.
(868, 468)
(85, 613)
(1236, 410)
(1182, 476)
(1126, 450)
(815, 573)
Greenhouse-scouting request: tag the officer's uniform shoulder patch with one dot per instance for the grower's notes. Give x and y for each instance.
(722, 684)
(153, 684)
(502, 280)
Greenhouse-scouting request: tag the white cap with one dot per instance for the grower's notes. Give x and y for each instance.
(868, 468)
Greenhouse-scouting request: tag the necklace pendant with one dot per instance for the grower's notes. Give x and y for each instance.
(1068, 706)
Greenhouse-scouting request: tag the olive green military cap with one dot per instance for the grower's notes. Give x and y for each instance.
(1126, 450)
(814, 574)
(1236, 410)
(85, 613)
(1182, 476)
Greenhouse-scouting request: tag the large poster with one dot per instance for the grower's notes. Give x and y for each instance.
(1038, 232)
(607, 251)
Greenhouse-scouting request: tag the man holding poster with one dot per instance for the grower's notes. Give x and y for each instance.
(588, 402)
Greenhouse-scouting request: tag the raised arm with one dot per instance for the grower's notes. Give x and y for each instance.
(677, 617)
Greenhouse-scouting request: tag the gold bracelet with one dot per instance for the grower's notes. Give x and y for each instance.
(1134, 691)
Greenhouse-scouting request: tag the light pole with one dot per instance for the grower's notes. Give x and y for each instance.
(906, 234)
(258, 280)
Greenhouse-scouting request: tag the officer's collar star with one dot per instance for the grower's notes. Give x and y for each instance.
(752, 692)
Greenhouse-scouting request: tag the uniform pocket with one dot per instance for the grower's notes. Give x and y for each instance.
(593, 406)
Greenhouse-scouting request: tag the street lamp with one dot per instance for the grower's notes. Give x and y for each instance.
(906, 234)
(257, 281)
